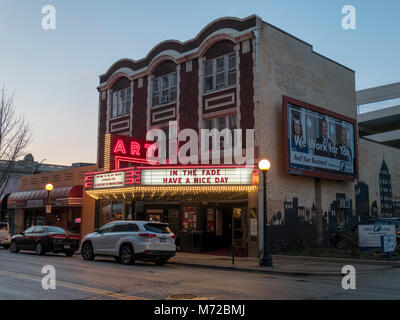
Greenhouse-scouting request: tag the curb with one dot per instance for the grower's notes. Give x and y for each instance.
(262, 270)
(338, 260)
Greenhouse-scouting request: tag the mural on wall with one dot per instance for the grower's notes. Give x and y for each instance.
(385, 187)
(376, 194)
(389, 206)
(297, 227)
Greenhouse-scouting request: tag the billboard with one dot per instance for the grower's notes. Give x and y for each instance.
(318, 142)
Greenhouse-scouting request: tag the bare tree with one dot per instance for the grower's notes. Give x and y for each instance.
(15, 135)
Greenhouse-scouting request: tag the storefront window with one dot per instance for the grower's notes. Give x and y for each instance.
(190, 218)
(74, 224)
(28, 220)
(129, 210)
(57, 218)
(105, 212)
(40, 220)
(34, 218)
(253, 224)
(117, 211)
(111, 211)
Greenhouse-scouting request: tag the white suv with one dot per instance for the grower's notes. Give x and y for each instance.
(5, 236)
(128, 241)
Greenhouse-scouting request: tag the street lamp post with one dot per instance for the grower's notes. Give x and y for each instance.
(49, 188)
(266, 260)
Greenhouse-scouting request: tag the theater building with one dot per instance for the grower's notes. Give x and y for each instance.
(236, 74)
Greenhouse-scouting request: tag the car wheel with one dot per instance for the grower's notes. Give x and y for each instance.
(39, 249)
(69, 253)
(87, 251)
(126, 254)
(160, 261)
(14, 247)
(342, 244)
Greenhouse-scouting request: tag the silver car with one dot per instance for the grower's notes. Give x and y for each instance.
(128, 241)
(5, 236)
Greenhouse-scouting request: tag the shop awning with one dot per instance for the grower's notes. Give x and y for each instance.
(59, 197)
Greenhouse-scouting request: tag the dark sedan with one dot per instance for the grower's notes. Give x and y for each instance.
(42, 239)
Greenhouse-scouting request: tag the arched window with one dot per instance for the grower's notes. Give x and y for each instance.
(165, 84)
(220, 66)
(121, 98)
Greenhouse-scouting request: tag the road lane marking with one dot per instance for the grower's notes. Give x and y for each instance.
(75, 286)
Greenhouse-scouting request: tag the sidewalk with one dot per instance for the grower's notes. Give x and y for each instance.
(285, 265)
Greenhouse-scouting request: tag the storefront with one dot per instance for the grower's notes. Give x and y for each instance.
(30, 208)
(207, 207)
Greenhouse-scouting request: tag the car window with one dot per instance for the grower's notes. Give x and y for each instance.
(37, 230)
(131, 227)
(107, 228)
(125, 227)
(3, 227)
(29, 230)
(54, 229)
(157, 228)
(381, 223)
(120, 228)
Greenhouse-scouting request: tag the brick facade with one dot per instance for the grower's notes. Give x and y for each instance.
(192, 105)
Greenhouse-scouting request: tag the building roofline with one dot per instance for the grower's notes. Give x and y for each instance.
(306, 43)
(380, 93)
(377, 142)
(181, 47)
(239, 24)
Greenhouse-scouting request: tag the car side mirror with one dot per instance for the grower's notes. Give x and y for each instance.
(96, 230)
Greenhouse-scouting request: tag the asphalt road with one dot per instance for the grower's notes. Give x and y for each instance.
(21, 278)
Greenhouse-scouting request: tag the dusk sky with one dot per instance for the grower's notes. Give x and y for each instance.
(54, 73)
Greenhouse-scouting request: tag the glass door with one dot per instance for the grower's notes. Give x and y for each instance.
(173, 220)
(237, 230)
(155, 215)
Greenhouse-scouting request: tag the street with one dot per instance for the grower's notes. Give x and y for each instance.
(21, 278)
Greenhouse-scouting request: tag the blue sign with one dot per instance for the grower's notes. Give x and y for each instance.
(388, 243)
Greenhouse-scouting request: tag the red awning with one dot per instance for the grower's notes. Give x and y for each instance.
(59, 197)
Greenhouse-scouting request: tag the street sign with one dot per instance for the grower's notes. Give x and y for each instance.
(48, 209)
(369, 236)
(388, 243)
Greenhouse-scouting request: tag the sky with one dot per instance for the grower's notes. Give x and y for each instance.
(53, 74)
